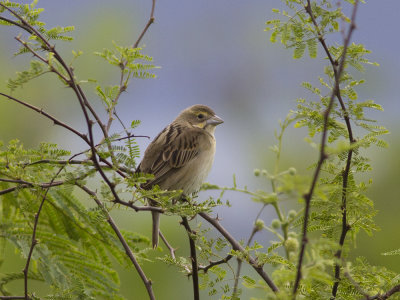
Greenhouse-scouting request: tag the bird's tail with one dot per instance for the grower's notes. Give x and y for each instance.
(156, 228)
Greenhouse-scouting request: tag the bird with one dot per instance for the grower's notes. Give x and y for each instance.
(180, 156)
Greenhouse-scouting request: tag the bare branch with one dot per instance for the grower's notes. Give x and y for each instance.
(42, 112)
(215, 263)
(392, 291)
(138, 208)
(149, 22)
(170, 248)
(239, 261)
(379, 296)
(193, 258)
(236, 246)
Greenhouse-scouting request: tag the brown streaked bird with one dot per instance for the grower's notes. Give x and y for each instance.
(181, 155)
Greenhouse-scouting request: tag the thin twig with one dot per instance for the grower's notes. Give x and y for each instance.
(239, 261)
(149, 22)
(46, 61)
(236, 246)
(323, 155)
(42, 112)
(392, 291)
(127, 249)
(71, 82)
(26, 185)
(123, 82)
(379, 296)
(14, 23)
(42, 185)
(58, 122)
(193, 258)
(346, 172)
(170, 248)
(215, 263)
(34, 241)
(138, 208)
(85, 106)
(356, 285)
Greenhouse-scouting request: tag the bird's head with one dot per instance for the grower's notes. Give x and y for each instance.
(200, 116)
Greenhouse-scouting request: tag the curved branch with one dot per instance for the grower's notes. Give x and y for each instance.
(34, 241)
(236, 246)
(392, 291)
(215, 263)
(170, 248)
(127, 249)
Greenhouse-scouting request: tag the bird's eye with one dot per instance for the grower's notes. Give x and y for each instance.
(200, 116)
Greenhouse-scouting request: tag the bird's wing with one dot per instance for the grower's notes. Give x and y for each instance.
(172, 149)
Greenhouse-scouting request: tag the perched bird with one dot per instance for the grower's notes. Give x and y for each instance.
(181, 155)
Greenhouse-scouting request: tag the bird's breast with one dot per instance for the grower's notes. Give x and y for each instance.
(190, 177)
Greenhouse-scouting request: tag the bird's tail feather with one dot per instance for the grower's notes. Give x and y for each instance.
(156, 228)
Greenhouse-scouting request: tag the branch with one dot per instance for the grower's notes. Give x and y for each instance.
(71, 82)
(28, 184)
(379, 296)
(323, 155)
(122, 83)
(392, 291)
(54, 119)
(236, 246)
(149, 22)
(46, 61)
(345, 225)
(356, 285)
(138, 208)
(239, 261)
(193, 258)
(34, 241)
(108, 166)
(62, 124)
(170, 248)
(128, 250)
(215, 263)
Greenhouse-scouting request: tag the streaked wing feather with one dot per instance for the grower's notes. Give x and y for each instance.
(181, 146)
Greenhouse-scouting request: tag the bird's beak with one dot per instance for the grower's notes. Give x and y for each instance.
(215, 120)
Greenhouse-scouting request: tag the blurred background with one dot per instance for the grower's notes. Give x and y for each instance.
(215, 53)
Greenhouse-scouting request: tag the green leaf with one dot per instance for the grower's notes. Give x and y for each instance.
(299, 50)
(393, 252)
